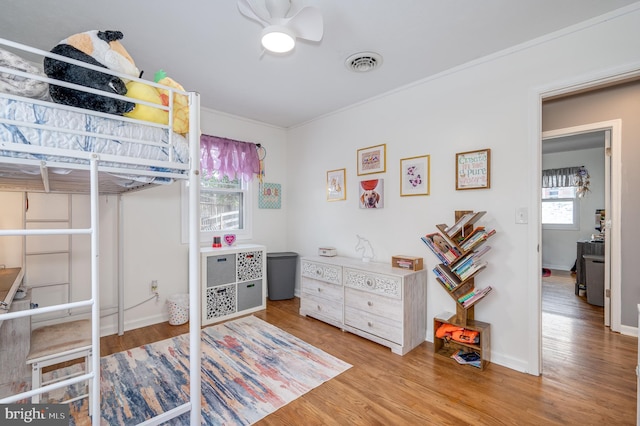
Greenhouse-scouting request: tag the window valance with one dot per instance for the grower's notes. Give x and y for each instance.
(231, 158)
(560, 178)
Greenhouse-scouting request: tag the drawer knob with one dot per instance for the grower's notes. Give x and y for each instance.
(370, 303)
(319, 290)
(370, 324)
(318, 271)
(319, 308)
(369, 282)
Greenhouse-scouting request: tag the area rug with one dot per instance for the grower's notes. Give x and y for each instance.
(250, 368)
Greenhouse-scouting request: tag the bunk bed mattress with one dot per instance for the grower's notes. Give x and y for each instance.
(105, 136)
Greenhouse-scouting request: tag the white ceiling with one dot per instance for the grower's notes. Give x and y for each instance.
(575, 142)
(209, 47)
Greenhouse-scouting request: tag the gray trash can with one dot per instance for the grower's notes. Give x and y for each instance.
(594, 265)
(281, 275)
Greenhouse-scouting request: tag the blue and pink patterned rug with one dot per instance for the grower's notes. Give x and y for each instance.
(250, 368)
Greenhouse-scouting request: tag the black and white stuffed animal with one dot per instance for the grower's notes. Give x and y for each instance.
(100, 48)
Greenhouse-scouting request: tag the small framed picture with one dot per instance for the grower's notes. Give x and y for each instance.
(270, 196)
(336, 185)
(372, 194)
(372, 159)
(473, 169)
(414, 176)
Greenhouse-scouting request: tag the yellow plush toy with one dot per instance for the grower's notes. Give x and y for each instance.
(144, 92)
(180, 102)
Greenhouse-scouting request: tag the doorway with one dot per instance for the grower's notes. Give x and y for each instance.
(611, 131)
(591, 143)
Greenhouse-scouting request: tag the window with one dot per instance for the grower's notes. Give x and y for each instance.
(224, 206)
(228, 168)
(560, 208)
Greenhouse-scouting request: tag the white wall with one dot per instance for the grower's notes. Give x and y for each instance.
(559, 246)
(488, 104)
(152, 223)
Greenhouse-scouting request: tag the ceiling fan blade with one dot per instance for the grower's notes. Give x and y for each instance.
(253, 11)
(307, 24)
(278, 8)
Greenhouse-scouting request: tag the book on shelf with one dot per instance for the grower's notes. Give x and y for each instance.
(476, 239)
(450, 280)
(441, 248)
(466, 219)
(469, 259)
(471, 234)
(477, 295)
(472, 269)
(469, 358)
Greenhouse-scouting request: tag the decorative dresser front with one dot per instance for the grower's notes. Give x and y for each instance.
(373, 300)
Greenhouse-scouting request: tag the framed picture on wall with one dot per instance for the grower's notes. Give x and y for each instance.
(372, 194)
(336, 185)
(372, 159)
(414, 176)
(473, 169)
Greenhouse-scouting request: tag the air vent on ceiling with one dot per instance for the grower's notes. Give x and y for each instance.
(363, 61)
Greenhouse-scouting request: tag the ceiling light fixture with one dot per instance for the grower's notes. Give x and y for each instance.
(278, 39)
(280, 32)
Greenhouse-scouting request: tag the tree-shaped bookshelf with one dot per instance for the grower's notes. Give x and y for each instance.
(460, 248)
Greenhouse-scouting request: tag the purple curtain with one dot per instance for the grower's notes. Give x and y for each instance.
(228, 157)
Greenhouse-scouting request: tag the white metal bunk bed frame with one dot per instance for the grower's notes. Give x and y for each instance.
(95, 163)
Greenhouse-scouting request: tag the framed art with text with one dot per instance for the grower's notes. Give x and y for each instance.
(473, 169)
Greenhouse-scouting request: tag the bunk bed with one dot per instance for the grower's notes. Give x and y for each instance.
(49, 147)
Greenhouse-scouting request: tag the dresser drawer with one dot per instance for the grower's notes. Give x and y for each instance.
(385, 285)
(379, 326)
(323, 309)
(317, 288)
(374, 304)
(323, 272)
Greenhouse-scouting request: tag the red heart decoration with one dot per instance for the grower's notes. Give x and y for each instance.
(230, 239)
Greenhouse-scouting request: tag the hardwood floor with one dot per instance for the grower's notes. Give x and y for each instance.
(588, 374)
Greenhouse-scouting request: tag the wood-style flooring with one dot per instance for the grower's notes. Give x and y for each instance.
(588, 374)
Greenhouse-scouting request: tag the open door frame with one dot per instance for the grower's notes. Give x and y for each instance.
(537, 95)
(613, 249)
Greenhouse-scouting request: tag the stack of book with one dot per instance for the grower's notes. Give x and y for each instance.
(475, 237)
(473, 296)
(469, 358)
(445, 276)
(470, 264)
(445, 252)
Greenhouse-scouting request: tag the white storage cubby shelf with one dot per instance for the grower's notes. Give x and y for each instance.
(373, 300)
(234, 281)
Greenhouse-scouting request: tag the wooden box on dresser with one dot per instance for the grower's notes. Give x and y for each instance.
(373, 300)
(233, 281)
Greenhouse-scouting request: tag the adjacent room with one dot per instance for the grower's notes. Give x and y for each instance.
(407, 213)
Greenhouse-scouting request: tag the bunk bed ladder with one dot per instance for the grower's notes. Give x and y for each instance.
(94, 376)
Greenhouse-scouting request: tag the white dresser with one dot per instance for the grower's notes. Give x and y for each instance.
(373, 300)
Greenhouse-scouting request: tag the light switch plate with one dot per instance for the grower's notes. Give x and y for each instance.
(522, 215)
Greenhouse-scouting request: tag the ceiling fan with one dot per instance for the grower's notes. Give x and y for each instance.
(280, 32)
